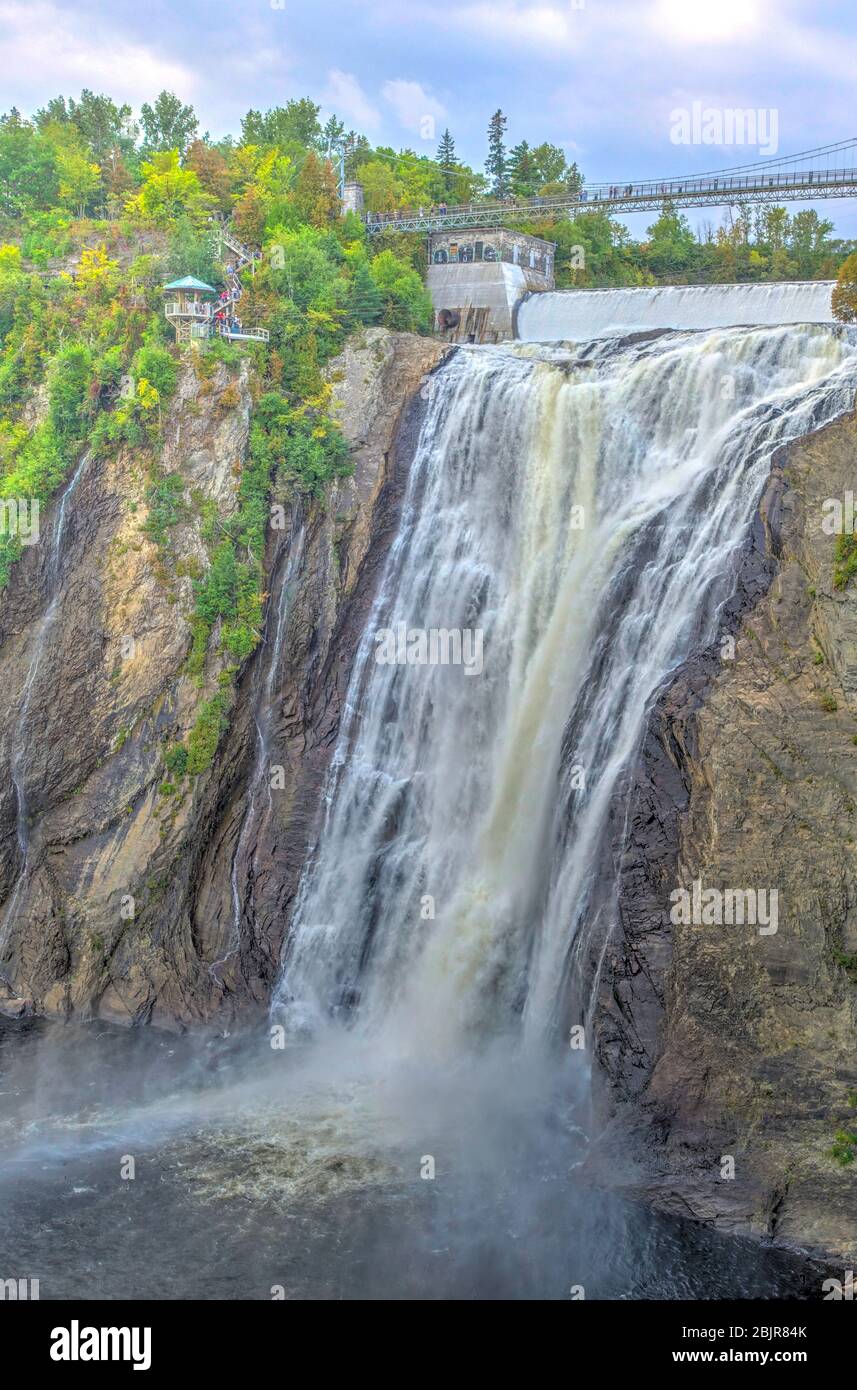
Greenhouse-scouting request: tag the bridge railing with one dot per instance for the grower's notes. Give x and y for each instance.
(601, 194)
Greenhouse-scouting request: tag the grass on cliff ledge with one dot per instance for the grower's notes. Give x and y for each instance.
(845, 557)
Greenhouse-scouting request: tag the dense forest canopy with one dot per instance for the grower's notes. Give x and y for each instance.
(98, 210)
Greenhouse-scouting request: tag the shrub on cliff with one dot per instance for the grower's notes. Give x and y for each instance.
(407, 302)
(205, 735)
(299, 443)
(157, 366)
(69, 392)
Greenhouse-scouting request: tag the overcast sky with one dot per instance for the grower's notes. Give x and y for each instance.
(601, 78)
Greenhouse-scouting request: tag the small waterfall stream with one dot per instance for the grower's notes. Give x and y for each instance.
(39, 645)
(258, 808)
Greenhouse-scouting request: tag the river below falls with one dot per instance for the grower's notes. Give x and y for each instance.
(303, 1175)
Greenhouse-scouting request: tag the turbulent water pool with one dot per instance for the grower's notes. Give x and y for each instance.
(261, 1175)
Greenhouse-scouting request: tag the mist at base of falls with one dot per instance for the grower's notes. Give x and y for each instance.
(424, 1131)
(306, 1172)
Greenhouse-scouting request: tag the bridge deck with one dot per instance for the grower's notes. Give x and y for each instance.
(760, 187)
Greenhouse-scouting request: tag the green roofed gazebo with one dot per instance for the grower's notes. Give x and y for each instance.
(186, 306)
(188, 282)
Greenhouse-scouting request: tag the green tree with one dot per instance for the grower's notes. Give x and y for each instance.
(69, 392)
(193, 251)
(296, 123)
(672, 245)
(382, 190)
(497, 164)
(212, 170)
(79, 177)
(523, 173)
(106, 127)
(407, 303)
(549, 164)
(12, 285)
(365, 304)
(843, 301)
(158, 367)
(316, 196)
(168, 125)
(28, 172)
(168, 191)
(809, 242)
(446, 160)
(333, 136)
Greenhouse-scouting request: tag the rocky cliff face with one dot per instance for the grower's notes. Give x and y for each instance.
(127, 900)
(720, 1041)
(126, 897)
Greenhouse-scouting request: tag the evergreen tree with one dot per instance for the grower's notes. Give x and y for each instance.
(523, 174)
(357, 151)
(497, 164)
(365, 304)
(446, 160)
(333, 135)
(316, 193)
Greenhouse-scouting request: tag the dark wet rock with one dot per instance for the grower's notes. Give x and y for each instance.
(717, 1041)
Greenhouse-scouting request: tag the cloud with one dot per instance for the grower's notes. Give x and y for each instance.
(550, 29)
(344, 95)
(45, 52)
(708, 21)
(415, 108)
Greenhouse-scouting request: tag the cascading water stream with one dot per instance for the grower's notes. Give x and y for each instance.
(18, 766)
(581, 315)
(255, 812)
(584, 511)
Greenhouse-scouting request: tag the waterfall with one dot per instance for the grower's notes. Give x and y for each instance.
(579, 315)
(584, 514)
(38, 647)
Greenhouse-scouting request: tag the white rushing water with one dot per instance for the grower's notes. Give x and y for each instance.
(580, 315)
(468, 788)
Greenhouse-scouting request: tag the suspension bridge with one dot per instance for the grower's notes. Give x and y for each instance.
(827, 172)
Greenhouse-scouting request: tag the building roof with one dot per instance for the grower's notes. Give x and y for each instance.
(189, 283)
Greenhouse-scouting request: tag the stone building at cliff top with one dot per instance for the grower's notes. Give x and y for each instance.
(476, 277)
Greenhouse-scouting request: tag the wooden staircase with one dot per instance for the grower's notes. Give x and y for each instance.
(244, 256)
